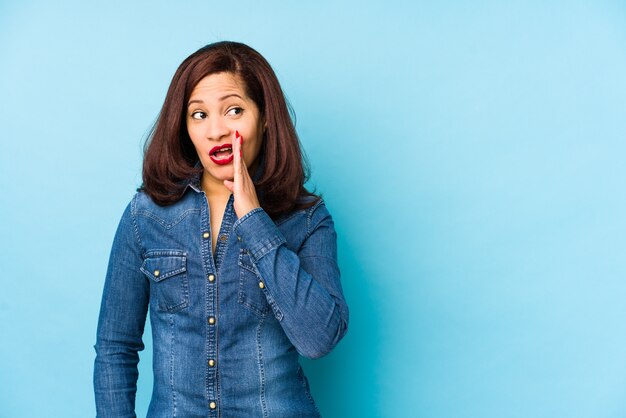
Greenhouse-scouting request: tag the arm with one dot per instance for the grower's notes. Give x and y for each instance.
(120, 325)
(305, 287)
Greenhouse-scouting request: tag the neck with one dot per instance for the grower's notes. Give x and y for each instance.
(214, 189)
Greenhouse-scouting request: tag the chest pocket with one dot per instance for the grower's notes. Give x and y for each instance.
(167, 271)
(250, 293)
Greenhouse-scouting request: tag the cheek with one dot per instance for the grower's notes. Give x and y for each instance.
(252, 149)
(196, 148)
(194, 139)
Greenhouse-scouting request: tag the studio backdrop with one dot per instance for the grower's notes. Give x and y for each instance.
(472, 155)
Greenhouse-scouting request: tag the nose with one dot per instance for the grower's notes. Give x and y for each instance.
(216, 129)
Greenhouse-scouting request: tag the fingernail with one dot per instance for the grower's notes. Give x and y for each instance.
(237, 135)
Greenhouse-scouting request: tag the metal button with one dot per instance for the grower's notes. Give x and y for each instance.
(238, 238)
(261, 285)
(211, 320)
(211, 277)
(223, 238)
(206, 235)
(212, 405)
(211, 363)
(156, 273)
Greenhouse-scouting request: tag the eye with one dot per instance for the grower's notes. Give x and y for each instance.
(234, 111)
(198, 115)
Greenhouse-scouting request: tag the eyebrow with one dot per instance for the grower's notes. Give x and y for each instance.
(220, 99)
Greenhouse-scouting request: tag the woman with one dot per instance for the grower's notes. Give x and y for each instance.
(234, 257)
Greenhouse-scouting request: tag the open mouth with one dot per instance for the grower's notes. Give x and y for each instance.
(222, 154)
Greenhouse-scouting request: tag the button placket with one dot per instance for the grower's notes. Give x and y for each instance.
(211, 335)
(211, 260)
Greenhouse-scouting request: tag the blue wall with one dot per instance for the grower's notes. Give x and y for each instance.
(472, 154)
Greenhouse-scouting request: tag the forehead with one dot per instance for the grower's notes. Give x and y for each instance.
(217, 85)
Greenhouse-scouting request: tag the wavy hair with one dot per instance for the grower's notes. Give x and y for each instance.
(170, 159)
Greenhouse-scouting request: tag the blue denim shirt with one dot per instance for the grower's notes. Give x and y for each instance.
(227, 328)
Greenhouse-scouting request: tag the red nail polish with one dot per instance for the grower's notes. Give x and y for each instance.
(237, 135)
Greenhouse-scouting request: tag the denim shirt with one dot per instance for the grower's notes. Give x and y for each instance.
(227, 328)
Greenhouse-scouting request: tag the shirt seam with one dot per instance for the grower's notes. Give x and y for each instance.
(309, 218)
(133, 219)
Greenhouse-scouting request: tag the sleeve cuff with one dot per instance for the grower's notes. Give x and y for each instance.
(258, 233)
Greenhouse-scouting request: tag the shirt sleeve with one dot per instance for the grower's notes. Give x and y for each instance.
(303, 288)
(120, 325)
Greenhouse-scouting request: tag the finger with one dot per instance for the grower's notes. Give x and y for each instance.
(230, 185)
(242, 163)
(237, 156)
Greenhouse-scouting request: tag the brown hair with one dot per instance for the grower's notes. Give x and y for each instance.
(170, 159)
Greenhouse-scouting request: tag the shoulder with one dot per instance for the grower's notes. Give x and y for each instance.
(142, 206)
(308, 218)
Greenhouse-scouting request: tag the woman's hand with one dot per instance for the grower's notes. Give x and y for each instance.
(241, 186)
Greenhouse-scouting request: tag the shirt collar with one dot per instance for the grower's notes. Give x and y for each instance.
(194, 181)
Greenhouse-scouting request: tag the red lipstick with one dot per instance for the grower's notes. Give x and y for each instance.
(222, 154)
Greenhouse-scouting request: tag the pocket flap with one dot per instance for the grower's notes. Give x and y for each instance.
(161, 266)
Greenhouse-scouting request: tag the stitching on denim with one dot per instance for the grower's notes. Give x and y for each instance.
(246, 216)
(270, 299)
(268, 295)
(133, 211)
(309, 217)
(162, 221)
(261, 369)
(172, 365)
(216, 338)
(243, 285)
(208, 267)
(164, 252)
(248, 266)
(184, 285)
(271, 244)
(207, 347)
(298, 212)
(164, 276)
(323, 257)
(307, 389)
(217, 370)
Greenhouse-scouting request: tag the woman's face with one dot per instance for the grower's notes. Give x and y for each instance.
(218, 106)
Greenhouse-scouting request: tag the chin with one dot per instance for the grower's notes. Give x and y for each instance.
(221, 173)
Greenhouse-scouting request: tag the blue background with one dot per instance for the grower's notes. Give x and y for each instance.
(472, 155)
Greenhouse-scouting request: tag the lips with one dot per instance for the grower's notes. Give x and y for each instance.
(222, 154)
